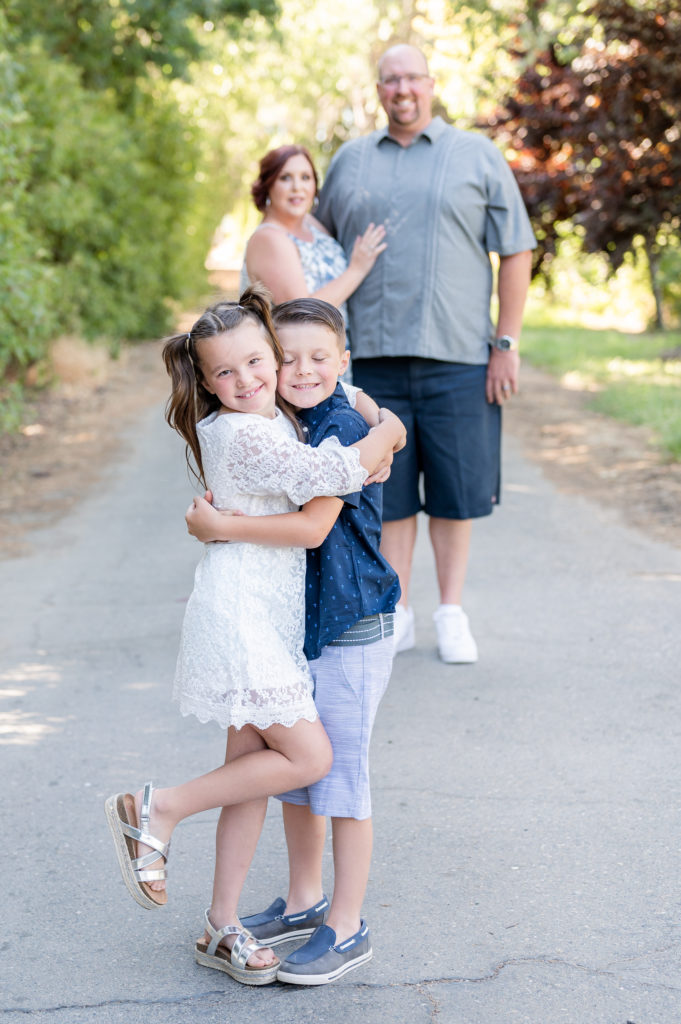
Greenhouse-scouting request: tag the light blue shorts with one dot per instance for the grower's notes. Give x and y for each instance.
(349, 683)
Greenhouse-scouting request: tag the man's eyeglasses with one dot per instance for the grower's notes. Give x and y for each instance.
(393, 81)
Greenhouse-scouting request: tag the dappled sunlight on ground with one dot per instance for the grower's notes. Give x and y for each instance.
(82, 438)
(33, 672)
(520, 489)
(19, 727)
(561, 452)
(576, 380)
(22, 728)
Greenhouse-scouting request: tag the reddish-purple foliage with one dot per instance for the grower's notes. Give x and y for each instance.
(597, 140)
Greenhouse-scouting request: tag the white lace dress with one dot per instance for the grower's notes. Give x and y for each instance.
(241, 651)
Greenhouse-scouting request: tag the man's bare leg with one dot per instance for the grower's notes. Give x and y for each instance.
(451, 540)
(397, 546)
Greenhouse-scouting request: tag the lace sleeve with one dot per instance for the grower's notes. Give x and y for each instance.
(262, 462)
(351, 392)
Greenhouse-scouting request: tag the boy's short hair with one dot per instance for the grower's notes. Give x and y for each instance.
(310, 311)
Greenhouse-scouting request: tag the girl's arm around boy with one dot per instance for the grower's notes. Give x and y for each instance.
(309, 526)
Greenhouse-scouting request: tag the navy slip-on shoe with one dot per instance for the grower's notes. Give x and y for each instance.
(272, 926)
(321, 961)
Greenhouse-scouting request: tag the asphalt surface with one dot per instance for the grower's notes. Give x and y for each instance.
(526, 864)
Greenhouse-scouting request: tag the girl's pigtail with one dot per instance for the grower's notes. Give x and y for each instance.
(257, 300)
(182, 408)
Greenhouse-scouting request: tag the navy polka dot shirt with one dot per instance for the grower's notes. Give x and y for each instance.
(347, 577)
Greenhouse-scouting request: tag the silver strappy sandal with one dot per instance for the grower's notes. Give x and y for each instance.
(122, 818)
(234, 961)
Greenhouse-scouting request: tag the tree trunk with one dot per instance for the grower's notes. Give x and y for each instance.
(653, 270)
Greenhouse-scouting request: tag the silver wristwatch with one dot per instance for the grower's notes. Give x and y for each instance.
(505, 343)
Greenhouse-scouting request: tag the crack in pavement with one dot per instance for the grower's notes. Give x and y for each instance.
(420, 986)
(435, 1006)
(177, 1001)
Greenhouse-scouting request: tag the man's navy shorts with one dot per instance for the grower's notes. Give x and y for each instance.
(453, 436)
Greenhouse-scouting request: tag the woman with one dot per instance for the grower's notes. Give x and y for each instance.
(290, 252)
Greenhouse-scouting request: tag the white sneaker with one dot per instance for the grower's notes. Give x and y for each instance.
(455, 643)
(403, 635)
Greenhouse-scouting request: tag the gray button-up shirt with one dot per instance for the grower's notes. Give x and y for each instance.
(447, 201)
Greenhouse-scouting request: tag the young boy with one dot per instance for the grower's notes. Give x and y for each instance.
(351, 593)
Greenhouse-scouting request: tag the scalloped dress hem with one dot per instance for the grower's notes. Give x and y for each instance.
(204, 715)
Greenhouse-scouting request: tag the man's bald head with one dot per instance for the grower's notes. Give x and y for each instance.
(403, 50)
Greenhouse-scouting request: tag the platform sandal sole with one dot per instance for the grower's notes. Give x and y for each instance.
(118, 810)
(244, 975)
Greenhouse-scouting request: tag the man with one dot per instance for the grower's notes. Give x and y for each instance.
(422, 340)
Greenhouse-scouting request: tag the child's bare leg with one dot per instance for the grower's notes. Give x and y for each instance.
(305, 835)
(352, 844)
(293, 756)
(238, 831)
(236, 838)
(239, 742)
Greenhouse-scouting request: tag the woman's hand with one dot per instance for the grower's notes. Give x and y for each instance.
(367, 248)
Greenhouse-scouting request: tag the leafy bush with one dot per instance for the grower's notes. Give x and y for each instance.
(28, 286)
(109, 194)
(105, 214)
(670, 278)
(98, 217)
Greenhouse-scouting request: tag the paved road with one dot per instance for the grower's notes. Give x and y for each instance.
(527, 828)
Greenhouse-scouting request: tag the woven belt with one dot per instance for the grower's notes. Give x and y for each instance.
(366, 631)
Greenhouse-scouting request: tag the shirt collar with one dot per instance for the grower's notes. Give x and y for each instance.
(431, 132)
(314, 416)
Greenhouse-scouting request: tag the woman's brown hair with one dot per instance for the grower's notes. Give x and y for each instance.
(270, 166)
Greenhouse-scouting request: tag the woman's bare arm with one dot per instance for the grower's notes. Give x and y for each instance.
(272, 257)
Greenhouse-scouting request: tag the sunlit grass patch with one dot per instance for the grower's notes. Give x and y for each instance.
(647, 403)
(626, 373)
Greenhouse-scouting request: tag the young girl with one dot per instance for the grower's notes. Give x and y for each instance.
(241, 657)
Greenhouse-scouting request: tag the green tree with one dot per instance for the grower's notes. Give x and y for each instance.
(105, 210)
(117, 43)
(29, 291)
